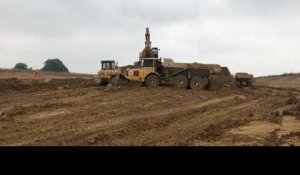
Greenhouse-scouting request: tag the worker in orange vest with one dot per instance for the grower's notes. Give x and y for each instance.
(34, 73)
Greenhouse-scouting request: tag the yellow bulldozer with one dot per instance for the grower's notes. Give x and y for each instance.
(109, 73)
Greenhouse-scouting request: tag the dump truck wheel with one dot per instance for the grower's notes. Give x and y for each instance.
(250, 83)
(152, 81)
(181, 82)
(238, 83)
(198, 83)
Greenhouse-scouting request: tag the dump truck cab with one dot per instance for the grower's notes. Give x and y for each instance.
(146, 67)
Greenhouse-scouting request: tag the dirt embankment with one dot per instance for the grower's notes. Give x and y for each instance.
(221, 82)
(13, 84)
(217, 82)
(44, 75)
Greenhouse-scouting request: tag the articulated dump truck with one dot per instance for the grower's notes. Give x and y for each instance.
(152, 72)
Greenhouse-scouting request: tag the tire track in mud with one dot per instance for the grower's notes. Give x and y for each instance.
(134, 116)
(102, 124)
(32, 129)
(137, 124)
(61, 124)
(179, 131)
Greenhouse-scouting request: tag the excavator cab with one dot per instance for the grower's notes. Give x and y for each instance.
(154, 51)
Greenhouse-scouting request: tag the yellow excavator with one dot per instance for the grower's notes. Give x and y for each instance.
(151, 70)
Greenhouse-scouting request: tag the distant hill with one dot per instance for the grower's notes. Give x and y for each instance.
(281, 75)
(287, 80)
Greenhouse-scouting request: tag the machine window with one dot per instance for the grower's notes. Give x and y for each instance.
(147, 63)
(107, 65)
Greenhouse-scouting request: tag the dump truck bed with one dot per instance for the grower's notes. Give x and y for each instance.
(214, 68)
(245, 76)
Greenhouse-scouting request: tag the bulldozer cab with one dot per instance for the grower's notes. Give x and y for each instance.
(108, 65)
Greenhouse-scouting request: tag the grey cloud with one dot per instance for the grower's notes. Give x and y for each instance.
(81, 32)
(160, 12)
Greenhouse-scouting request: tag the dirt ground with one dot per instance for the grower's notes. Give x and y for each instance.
(75, 112)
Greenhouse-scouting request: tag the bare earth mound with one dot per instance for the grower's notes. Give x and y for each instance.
(221, 82)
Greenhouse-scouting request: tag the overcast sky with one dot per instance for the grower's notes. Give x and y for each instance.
(257, 36)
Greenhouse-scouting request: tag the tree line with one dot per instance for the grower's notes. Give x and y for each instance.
(55, 65)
